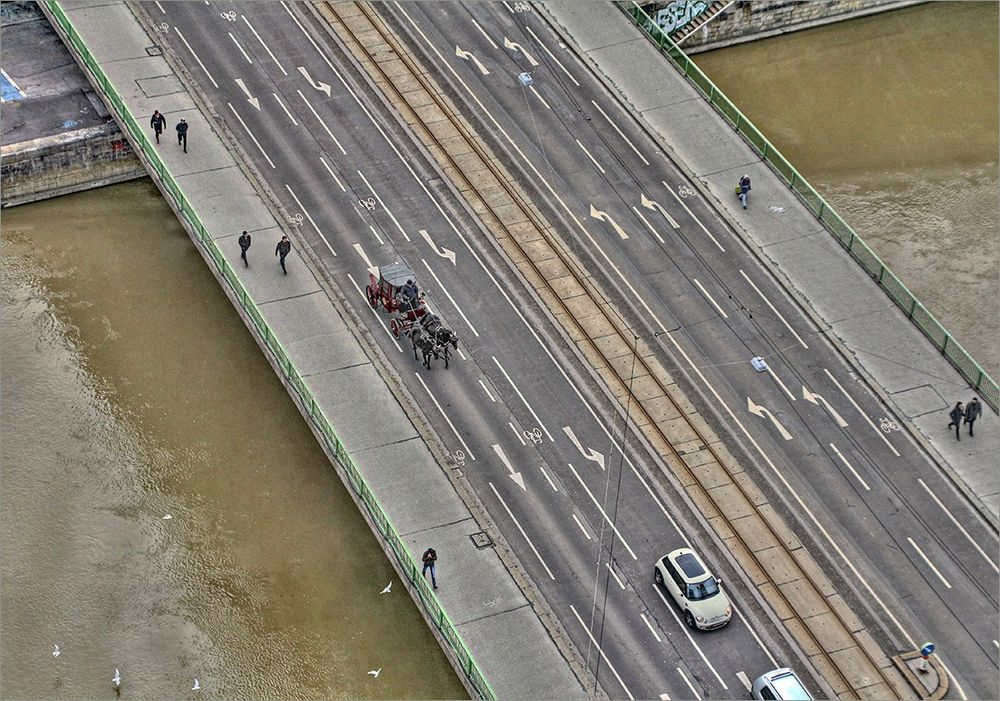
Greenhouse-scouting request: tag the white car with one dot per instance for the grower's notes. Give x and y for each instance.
(694, 588)
(780, 684)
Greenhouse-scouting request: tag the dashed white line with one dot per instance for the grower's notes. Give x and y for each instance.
(552, 56)
(157, 3)
(683, 626)
(744, 679)
(648, 225)
(516, 433)
(548, 479)
(438, 405)
(697, 221)
(537, 420)
(851, 468)
(309, 217)
(614, 574)
(753, 632)
(509, 8)
(959, 526)
(448, 294)
(377, 317)
(285, 108)
(690, 685)
(592, 159)
(250, 133)
(603, 513)
(242, 51)
(772, 308)
(176, 29)
(650, 626)
(581, 526)
(266, 48)
(523, 534)
(774, 376)
(483, 32)
(384, 206)
(325, 127)
(620, 132)
(863, 414)
(332, 174)
(600, 650)
(710, 299)
(376, 235)
(539, 96)
(929, 563)
(487, 390)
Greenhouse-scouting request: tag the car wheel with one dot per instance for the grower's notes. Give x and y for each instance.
(657, 576)
(689, 619)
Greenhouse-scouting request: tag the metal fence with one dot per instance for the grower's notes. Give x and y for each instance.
(378, 517)
(854, 244)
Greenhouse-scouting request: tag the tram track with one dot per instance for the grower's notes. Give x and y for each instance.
(738, 511)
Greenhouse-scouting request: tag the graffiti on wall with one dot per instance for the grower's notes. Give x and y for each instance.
(679, 13)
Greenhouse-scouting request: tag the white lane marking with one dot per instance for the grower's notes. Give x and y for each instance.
(552, 56)
(261, 148)
(448, 294)
(242, 51)
(325, 127)
(450, 424)
(650, 626)
(664, 697)
(744, 679)
(928, 561)
(688, 682)
(377, 317)
(581, 526)
(334, 175)
(753, 632)
(620, 132)
(160, 6)
(266, 48)
(443, 252)
(774, 376)
(539, 96)
(364, 256)
(863, 415)
(758, 410)
(509, 8)
(285, 108)
(483, 32)
(461, 354)
(851, 468)
(653, 204)
(516, 432)
(997, 643)
(525, 401)
(514, 46)
(606, 660)
(604, 216)
(959, 525)
(697, 221)
(683, 626)
(376, 235)
(309, 217)
(469, 56)
(549, 479)
(775, 311)
(487, 390)
(523, 534)
(603, 513)
(648, 225)
(176, 29)
(384, 206)
(710, 299)
(614, 574)
(816, 399)
(316, 84)
(589, 453)
(246, 91)
(514, 474)
(592, 159)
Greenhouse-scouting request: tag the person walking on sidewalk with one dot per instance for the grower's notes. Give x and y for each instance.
(430, 557)
(956, 416)
(244, 247)
(182, 134)
(283, 249)
(159, 123)
(744, 189)
(973, 410)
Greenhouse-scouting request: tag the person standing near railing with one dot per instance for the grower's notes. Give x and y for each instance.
(744, 189)
(182, 134)
(159, 123)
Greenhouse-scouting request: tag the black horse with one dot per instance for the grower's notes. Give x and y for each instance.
(425, 342)
(441, 335)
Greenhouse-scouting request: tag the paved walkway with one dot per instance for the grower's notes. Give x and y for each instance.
(497, 622)
(915, 380)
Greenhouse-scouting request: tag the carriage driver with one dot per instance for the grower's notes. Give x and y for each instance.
(409, 293)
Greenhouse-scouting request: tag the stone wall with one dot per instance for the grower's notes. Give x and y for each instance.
(69, 162)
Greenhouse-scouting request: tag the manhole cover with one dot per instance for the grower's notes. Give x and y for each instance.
(481, 540)
(154, 51)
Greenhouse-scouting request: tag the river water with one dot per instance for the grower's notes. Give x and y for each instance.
(893, 118)
(130, 391)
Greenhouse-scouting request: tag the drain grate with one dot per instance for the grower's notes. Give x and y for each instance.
(481, 540)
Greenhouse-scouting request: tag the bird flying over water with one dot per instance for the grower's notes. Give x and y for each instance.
(197, 686)
(117, 679)
(167, 517)
(55, 651)
(375, 672)
(388, 588)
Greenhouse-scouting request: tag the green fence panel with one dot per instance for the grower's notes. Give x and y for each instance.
(863, 253)
(928, 324)
(896, 290)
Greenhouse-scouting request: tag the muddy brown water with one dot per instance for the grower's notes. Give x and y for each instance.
(129, 390)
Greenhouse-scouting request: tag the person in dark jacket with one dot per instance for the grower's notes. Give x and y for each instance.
(159, 123)
(283, 249)
(430, 557)
(744, 189)
(182, 134)
(244, 247)
(956, 416)
(973, 410)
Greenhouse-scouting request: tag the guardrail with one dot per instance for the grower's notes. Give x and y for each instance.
(854, 244)
(308, 402)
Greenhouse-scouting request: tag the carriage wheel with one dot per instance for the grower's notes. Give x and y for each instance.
(372, 297)
(395, 327)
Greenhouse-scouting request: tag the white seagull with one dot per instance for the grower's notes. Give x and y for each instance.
(197, 686)
(375, 672)
(55, 651)
(117, 679)
(167, 517)
(388, 588)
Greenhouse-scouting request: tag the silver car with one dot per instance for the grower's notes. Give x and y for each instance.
(694, 588)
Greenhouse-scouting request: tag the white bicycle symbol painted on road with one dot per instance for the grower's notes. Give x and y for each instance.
(228, 16)
(887, 425)
(685, 191)
(459, 457)
(368, 203)
(534, 435)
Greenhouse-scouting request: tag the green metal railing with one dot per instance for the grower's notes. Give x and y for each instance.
(308, 401)
(854, 244)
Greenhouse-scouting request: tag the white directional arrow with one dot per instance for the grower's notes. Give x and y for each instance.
(598, 214)
(250, 98)
(318, 84)
(589, 453)
(361, 252)
(508, 44)
(467, 55)
(812, 397)
(443, 252)
(516, 476)
(653, 204)
(758, 410)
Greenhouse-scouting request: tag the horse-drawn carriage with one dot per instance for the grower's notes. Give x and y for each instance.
(393, 288)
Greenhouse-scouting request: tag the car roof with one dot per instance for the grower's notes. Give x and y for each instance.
(689, 564)
(788, 686)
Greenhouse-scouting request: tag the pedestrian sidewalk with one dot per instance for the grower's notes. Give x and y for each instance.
(916, 381)
(478, 593)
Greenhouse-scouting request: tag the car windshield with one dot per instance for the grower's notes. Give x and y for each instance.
(702, 590)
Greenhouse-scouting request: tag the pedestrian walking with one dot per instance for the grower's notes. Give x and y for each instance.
(283, 249)
(159, 123)
(744, 189)
(244, 246)
(430, 557)
(956, 416)
(973, 410)
(182, 134)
